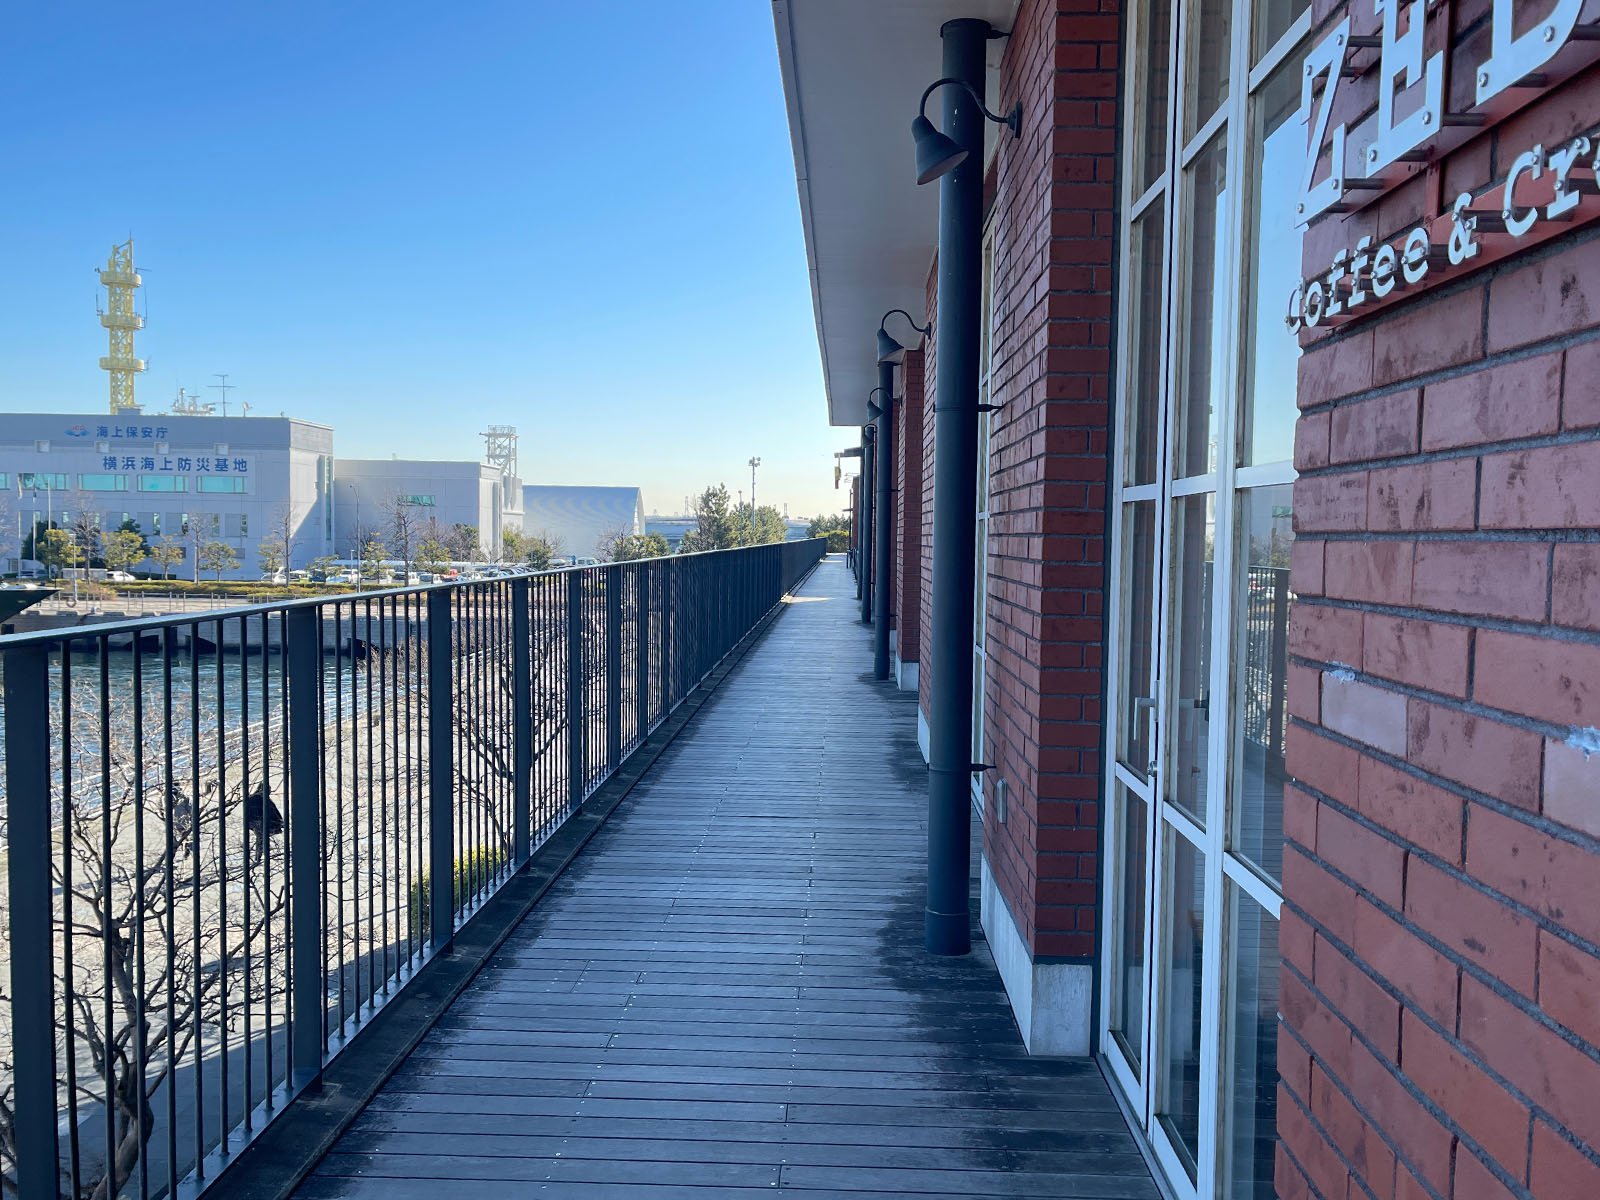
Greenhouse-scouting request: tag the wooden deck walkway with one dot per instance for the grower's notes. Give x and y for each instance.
(726, 993)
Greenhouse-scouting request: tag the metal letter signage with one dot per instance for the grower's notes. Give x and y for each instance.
(1402, 59)
(1412, 128)
(1515, 58)
(1326, 59)
(1541, 195)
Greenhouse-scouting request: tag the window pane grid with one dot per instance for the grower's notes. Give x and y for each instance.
(1206, 415)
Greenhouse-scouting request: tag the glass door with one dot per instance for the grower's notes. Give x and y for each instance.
(1198, 627)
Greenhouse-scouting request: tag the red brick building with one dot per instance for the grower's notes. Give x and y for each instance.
(1287, 644)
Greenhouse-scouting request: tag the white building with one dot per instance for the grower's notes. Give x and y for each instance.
(185, 479)
(581, 519)
(448, 493)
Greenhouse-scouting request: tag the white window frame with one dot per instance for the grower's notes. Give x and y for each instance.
(1163, 820)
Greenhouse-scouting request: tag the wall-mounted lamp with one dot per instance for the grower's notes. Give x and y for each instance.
(938, 154)
(889, 350)
(874, 411)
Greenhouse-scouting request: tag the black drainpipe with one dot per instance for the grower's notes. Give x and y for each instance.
(883, 522)
(868, 524)
(955, 495)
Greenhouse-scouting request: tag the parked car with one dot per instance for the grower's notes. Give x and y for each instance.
(120, 577)
(277, 577)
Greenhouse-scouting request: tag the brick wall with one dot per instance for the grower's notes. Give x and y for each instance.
(906, 599)
(1053, 230)
(1441, 931)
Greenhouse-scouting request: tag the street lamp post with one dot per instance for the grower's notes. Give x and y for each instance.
(359, 555)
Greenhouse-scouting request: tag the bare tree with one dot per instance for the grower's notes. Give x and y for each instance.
(462, 542)
(610, 542)
(160, 935)
(10, 527)
(403, 523)
(85, 529)
(276, 551)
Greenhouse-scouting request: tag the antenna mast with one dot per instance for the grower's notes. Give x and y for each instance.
(120, 281)
(224, 387)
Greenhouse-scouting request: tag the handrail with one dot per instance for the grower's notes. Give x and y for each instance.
(232, 840)
(145, 624)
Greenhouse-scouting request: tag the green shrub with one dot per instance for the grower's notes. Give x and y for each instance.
(473, 869)
(838, 541)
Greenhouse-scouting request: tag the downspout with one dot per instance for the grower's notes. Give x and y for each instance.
(955, 486)
(883, 522)
(868, 523)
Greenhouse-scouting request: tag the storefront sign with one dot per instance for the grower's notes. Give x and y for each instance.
(1543, 193)
(182, 463)
(146, 433)
(1411, 126)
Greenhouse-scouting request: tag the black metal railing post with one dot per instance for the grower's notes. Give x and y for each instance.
(577, 716)
(614, 582)
(441, 772)
(664, 658)
(29, 888)
(641, 647)
(521, 722)
(307, 1002)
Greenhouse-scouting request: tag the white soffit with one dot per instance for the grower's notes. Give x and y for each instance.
(853, 71)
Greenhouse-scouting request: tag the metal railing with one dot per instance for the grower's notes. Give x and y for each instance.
(1266, 657)
(230, 838)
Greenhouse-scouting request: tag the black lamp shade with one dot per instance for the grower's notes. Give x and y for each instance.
(936, 154)
(889, 350)
(873, 412)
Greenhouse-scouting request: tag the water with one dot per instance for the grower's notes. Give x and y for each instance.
(234, 693)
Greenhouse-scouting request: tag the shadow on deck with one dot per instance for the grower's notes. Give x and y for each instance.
(726, 992)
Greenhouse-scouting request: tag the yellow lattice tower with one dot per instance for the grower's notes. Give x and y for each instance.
(120, 281)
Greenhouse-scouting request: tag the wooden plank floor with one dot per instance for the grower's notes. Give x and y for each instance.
(726, 993)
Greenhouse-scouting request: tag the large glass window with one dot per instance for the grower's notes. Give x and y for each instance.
(1266, 422)
(163, 483)
(1128, 1003)
(1206, 377)
(1266, 532)
(1153, 76)
(42, 481)
(1147, 275)
(1194, 549)
(103, 483)
(1183, 997)
(1208, 30)
(1252, 1065)
(1136, 587)
(1207, 281)
(234, 484)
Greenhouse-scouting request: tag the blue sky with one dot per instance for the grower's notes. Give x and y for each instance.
(410, 220)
